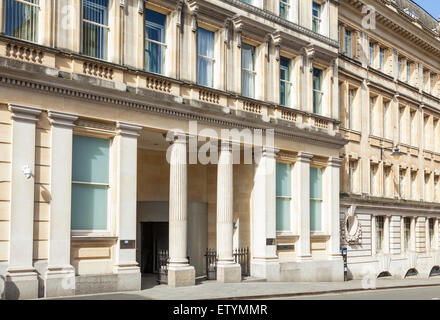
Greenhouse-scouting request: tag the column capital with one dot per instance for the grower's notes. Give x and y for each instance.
(177, 137)
(304, 157)
(125, 129)
(24, 113)
(61, 119)
(270, 152)
(335, 162)
(226, 145)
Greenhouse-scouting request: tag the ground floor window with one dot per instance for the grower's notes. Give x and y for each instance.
(316, 199)
(406, 233)
(380, 221)
(284, 196)
(90, 183)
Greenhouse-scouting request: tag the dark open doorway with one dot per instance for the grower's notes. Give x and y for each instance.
(154, 238)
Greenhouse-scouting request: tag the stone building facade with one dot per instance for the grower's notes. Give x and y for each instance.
(99, 100)
(389, 79)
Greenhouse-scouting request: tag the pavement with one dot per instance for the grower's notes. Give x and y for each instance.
(258, 289)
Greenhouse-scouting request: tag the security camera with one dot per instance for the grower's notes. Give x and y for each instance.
(27, 172)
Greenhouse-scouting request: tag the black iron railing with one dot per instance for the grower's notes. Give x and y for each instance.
(241, 256)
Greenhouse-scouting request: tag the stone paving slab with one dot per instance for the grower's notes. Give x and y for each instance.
(255, 290)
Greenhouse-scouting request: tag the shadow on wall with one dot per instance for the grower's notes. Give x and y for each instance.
(11, 291)
(2, 287)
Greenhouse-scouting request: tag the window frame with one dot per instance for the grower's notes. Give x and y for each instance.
(316, 19)
(288, 7)
(200, 56)
(289, 198)
(287, 83)
(105, 27)
(348, 43)
(407, 234)
(320, 92)
(38, 15)
(252, 73)
(108, 185)
(380, 234)
(320, 200)
(162, 44)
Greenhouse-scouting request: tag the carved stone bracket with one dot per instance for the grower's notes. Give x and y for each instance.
(194, 11)
(351, 230)
(141, 6)
(308, 57)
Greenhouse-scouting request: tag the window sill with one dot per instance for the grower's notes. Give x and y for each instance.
(287, 234)
(319, 235)
(93, 237)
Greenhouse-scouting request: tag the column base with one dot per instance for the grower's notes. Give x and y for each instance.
(129, 277)
(59, 281)
(21, 284)
(268, 269)
(229, 273)
(181, 276)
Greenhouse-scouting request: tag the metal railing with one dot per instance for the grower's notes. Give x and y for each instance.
(241, 256)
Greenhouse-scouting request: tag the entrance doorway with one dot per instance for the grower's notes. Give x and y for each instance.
(154, 238)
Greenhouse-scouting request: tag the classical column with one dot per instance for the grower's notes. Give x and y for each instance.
(332, 189)
(265, 263)
(21, 278)
(227, 269)
(180, 273)
(125, 265)
(60, 275)
(302, 203)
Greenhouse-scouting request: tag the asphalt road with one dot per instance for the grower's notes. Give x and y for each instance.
(422, 293)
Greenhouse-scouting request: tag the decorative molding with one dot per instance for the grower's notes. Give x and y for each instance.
(95, 125)
(351, 237)
(24, 113)
(126, 129)
(62, 119)
(304, 157)
(141, 6)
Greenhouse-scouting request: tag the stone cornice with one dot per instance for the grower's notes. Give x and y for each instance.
(125, 129)
(166, 108)
(62, 119)
(24, 113)
(285, 23)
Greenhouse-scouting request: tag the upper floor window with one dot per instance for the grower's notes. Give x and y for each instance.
(283, 196)
(408, 71)
(436, 188)
(387, 181)
(248, 70)
(95, 28)
(399, 68)
(373, 179)
(205, 57)
(372, 53)
(348, 43)
(402, 180)
(351, 108)
(90, 183)
(381, 58)
(154, 41)
(352, 176)
(22, 19)
(316, 18)
(317, 91)
(373, 128)
(285, 83)
(387, 127)
(316, 199)
(284, 9)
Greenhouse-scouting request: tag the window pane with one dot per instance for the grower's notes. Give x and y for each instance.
(316, 183)
(90, 159)
(205, 52)
(95, 37)
(89, 207)
(22, 20)
(283, 214)
(283, 180)
(154, 30)
(284, 9)
(315, 215)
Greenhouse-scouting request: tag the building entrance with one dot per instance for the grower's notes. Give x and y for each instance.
(154, 240)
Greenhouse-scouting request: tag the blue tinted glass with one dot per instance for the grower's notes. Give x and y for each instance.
(315, 215)
(283, 176)
(90, 159)
(21, 19)
(316, 183)
(283, 214)
(155, 25)
(96, 11)
(89, 207)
